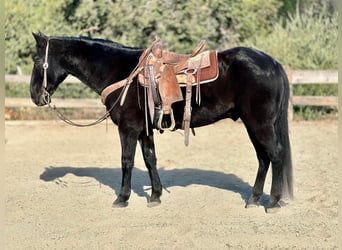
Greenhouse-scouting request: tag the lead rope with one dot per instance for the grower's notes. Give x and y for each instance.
(68, 121)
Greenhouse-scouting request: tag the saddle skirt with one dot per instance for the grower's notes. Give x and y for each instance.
(207, 69)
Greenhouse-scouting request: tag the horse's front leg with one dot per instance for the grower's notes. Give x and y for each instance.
(128, 147)
(149, 154)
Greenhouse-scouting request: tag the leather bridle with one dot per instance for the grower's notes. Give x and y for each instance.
(46, 94)
(125, 83)
(47, 97)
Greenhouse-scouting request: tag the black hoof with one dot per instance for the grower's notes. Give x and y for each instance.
(253, 202)
(155, 202)
(273, 208)
(120, 203)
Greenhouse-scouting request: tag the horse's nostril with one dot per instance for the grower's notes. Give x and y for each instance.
(45, 97)
(42, 99)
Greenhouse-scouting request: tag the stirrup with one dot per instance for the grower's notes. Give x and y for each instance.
(173, 123)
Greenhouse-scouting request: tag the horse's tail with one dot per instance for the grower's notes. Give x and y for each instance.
(282, 133)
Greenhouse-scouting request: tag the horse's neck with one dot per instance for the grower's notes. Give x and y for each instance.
(107, 68)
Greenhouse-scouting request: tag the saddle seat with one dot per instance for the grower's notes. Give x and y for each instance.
(181, 62)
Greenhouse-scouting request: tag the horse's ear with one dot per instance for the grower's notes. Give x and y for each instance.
(39, 37)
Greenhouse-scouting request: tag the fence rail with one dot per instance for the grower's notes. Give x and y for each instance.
(59, 102)
(311, 77)
(295, 77)
(27, 79)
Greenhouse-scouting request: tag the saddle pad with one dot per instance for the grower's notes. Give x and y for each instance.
(202, 60)
(207, 74)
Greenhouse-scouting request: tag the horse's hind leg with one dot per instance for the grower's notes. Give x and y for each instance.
(266, 137)
(264, 162)
(149, 154)
(128, 147)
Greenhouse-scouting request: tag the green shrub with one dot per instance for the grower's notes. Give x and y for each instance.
(307, 40)
(315, 89)
(314, 112)
(65, 90)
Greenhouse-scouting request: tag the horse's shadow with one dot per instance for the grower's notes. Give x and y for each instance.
(175, 177)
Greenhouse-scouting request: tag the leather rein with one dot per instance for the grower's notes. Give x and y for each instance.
(123, 83)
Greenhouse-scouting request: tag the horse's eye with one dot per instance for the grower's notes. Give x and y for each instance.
(37, 61)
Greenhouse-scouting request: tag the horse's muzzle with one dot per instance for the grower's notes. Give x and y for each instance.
(42, 99)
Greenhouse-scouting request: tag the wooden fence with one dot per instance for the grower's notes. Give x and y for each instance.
(311, 77)
(295, 77)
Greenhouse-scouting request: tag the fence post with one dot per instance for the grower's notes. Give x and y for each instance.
(289, 74)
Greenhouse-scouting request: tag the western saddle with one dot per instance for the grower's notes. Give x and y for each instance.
(163, 73)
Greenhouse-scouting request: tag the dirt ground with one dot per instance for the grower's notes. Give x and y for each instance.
(61, 181)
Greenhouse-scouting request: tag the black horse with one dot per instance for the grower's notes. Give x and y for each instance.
(251, 86)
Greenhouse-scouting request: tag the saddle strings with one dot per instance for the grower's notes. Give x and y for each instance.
(136, 70)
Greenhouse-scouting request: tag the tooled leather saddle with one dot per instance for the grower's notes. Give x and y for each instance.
(163, 73)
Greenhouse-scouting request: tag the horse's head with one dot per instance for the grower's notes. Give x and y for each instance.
(47, 72)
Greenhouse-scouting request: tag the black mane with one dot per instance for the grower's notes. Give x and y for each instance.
(90, 40)
(105, 42)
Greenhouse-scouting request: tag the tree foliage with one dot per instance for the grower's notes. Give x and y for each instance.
(290, 31)
(24, 17)
(308, 40)
(250, 18)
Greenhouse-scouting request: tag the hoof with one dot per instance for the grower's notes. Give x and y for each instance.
(154, 202)
(120, 203)
(271, 209)
(253, 202)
